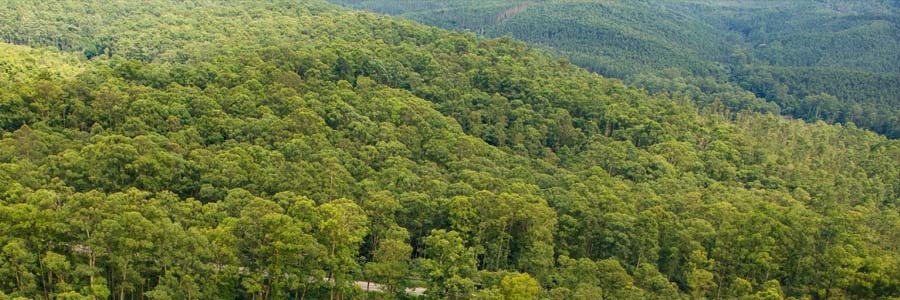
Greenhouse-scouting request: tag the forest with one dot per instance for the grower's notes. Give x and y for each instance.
(831, 60)
(193, 149)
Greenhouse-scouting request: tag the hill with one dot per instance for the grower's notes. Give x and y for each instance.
(789, 53)
(283, 149)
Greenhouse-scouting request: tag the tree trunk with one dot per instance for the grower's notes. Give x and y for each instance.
(333, 280)
(91, 263)
(49, 281)
(122, 284)
(19, 279)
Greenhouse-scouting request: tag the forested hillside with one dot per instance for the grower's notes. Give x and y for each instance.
(832, 60)
(285, 149)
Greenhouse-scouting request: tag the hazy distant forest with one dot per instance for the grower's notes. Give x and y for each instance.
(831, 60)
(194, 149)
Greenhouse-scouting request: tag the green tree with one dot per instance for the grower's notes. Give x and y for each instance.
(449, 265)
(341, 230)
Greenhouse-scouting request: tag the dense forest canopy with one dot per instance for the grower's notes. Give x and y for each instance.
(287, 149)
(831, 60)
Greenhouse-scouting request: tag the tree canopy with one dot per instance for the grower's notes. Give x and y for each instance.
(759, 55)
(285, 149)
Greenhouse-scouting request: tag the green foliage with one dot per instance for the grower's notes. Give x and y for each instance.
(765, 56)
(271, 150)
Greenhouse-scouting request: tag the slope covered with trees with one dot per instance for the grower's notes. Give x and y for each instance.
(789, 53)
(284, 149)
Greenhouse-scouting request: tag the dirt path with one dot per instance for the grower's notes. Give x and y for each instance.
(374, 287)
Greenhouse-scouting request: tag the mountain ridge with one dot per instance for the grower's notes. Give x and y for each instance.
(728, 41)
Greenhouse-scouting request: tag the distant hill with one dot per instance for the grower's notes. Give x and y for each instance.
(786, 52)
